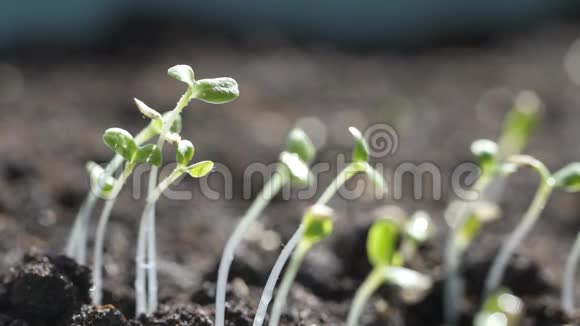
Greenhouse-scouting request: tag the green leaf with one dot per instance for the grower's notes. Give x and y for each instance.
(200, 169)
(216, 90)
(183, 73)
(420, 227)
(382, 241)
(121, 142)
(296, 167)
(300, 144)
(568, 178)
(501, 308)
(98, 180)
(360, 152)
(318, 223)
(519, 124)
(149, 154)
(413, 286)
(184, 153)
(146, 110)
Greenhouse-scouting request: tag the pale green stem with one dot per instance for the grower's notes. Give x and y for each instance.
(151, 301)
(454, 290)
(97, 291)
(500, 263)
(278, 180)
(287, 280)
(141, 261)
(274, 275)
(569, 279)
(340, 179)
(370, 285)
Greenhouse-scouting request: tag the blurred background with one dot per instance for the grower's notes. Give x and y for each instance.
(441, 73)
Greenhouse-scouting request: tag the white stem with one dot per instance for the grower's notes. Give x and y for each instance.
(454, 287)
(77, 234)
(278, 180)
(569, 279)
(152, 286)
(501, 261)
(97, 293)
(274, 275)
(141, 263)
(150, 240)
(287, 280)
(363, 294)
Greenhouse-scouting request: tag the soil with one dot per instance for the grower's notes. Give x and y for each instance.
(55, 108)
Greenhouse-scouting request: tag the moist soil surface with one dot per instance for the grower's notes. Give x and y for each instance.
(55, 108)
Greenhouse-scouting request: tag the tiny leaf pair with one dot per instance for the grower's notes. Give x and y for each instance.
(123, 143)
(99, 181)
(212, 90)
(318, 223)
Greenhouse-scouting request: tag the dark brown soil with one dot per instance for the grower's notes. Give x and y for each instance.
(54, 111)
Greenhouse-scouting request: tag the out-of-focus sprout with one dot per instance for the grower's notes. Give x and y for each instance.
(501, 309)
(387, 261)
(293, 166)
(519, 124)
(567, 179)
(310, 230)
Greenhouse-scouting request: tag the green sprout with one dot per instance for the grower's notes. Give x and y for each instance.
(467, 218)
(501, 309)
(567, 179)
(316, 225)
(215, 91)
(123, 144)
(387, 261)
(292, 166)
(100, 180)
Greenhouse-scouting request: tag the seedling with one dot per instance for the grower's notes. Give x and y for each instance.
(316, 225)
(122, 143)
(568, 179)
(466, 218)
(387, 261)
(292, 166)
(502, 308)
(215, 91)
(100, 178)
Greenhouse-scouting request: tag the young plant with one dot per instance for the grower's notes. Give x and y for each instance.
(466, 218)
(122, 143)
(292, 166)
(502, 308)
(569, 279)
(100, 180)
(567, 178)
(316, 225)
(387, 261)
(214, 91)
